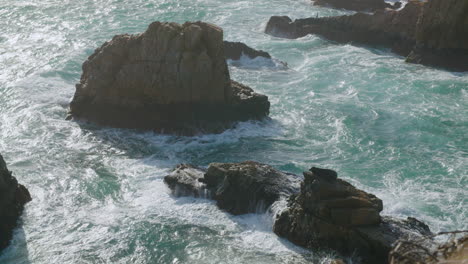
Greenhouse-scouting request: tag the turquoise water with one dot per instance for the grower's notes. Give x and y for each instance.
(394, 129)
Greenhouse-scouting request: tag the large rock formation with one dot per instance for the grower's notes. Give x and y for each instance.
(331, 213)
(171, 78)
(13, 197)
(357, 5)
(442, 35)
(432, 33)
(238, 188)
(392, 29)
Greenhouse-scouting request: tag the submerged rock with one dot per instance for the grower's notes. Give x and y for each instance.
(331, 213)
(13, 197)
(238, 188)
(357, 5)
(433, 32)
(235, 50)
(171, 78)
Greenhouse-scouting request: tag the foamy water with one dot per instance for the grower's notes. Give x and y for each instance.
(394, 129)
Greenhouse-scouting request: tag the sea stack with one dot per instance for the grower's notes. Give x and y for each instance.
(330, 213)
(13, 197)
(172, 78)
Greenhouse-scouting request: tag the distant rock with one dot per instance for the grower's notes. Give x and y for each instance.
(172, 78)
(238, 188)
(433, 33)
(392, 29)
(13, 197)
(235, 50)
(357, 5)
(331, 213)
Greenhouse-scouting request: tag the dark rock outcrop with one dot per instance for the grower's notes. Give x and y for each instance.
(13, 197)
(391, 29)
(454, 250)
(238, 188)
(171, 78)
(234, 51)
(357, 5)
(433, 33)
(442, 35)
(331, 213)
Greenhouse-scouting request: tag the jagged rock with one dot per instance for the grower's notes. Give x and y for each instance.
(357, 5)
(392, 29)
(238, 188)
(234, 51)
(428, 251)
(13, 197)
(171, 78)
(331, 213)
(442, 35)
(433, 32)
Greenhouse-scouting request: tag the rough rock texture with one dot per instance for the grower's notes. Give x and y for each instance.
(357, 5)
(13, 196)
(427, 251)
(234, 51)
(238, 188)
(331, 213)
(433, 32)
(392, 29)
(442, 35)
(171, 78)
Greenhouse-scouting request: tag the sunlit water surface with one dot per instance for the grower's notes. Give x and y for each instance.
(391, 128)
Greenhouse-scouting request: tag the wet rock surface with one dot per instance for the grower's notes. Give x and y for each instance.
(172, 78)
(13, 197)
(238, 188)
(331, 213)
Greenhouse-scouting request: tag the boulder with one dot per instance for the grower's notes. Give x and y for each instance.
(357, 5)
(172, 78)
(13, 197)
(442, 35)
(238, 188)
(392, 29)
(234, 51)
(331, 213)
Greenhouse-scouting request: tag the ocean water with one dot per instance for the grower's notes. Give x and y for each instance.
(397, 130)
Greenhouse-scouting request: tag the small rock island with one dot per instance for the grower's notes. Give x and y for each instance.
(172, 79)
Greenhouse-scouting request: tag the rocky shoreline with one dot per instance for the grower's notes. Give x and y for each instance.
(13, 197)
(431, 33)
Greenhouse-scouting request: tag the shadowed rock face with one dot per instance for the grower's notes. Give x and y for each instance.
(442, 35)
(357, 5)
(13, 196)
(433, 33)
(238, 188)
(331, 213)
(234, 51)
(171, 78)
